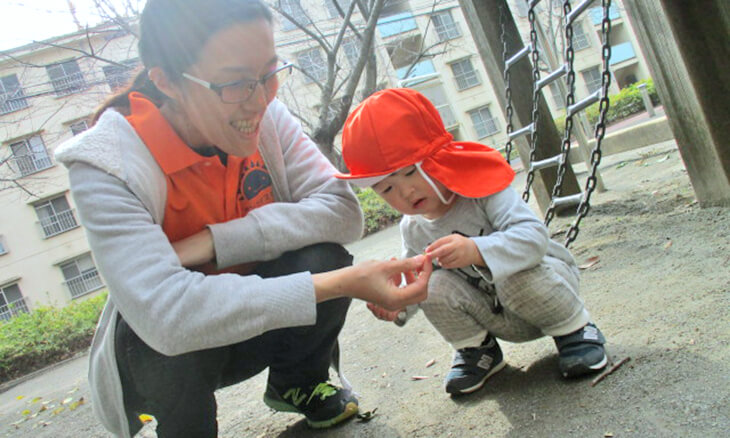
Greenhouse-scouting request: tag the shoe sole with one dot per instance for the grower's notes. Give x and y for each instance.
(351, 409)
(580, 369)
(479, 385)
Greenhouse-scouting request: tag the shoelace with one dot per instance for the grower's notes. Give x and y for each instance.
(323, 390)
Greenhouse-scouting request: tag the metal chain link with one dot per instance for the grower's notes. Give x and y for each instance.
(535, 56)
(570, 100)
(508, 88)
(600, 130)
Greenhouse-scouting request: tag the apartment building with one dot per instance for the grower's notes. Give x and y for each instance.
(48, 91)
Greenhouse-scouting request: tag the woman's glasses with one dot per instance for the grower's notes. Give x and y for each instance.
(241, 91)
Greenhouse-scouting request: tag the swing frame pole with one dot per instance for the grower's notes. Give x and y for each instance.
(483, 18)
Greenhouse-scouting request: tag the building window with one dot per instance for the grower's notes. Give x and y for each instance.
(437, 96)
(55, 216)
(465, 75)
(12, 302)
(397, 23)
(66, 77)
(580, 37)
(592, 78)
(294, 9)
(411, 75)
(12, 97)
(3, 247)
(446, 27)
(30, 156)
(484, 124)
(81, 276)
(313, 65)
(332, 10)
(119, 75)
(79, 127)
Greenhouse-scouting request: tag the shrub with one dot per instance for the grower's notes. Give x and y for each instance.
(31, 341)
(623, 104)
(378, 214)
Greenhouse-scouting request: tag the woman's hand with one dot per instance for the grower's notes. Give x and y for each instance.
(378, 282)
(455, 251)
(384, 314)
(195, 250)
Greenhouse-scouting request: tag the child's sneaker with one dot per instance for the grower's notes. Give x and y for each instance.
(323, 405)
(581, 352)
(473, 366)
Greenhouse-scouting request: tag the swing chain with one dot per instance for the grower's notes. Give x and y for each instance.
(570, 100)
(508, 89)
(535, 56)
(600, 130)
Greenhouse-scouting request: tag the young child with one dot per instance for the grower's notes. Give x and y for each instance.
(501, 275)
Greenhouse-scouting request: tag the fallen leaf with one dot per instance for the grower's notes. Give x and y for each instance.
(364, 417)
(58, 410)
(144, 418)
(25, 412)
(663, 159)
(430, 363)
(621, 164)
(668, 245)
(590, 262)
(76, 404)
(67, 400)
(419, 377)
(36, 399)
(20, 397)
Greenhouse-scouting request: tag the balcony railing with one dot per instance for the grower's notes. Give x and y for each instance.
(13, 308)
(69, 84)
(9, 104)
(83, 284)
(27, 164)
(58, 223)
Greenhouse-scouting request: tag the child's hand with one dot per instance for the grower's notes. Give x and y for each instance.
(455, 251)
(381, 313)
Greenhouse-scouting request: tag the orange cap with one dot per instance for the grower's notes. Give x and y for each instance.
(399, 127)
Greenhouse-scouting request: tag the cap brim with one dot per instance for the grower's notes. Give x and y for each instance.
(361, 182)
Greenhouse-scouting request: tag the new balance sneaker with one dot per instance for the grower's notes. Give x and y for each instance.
(581, 352)
(324, 405)
(473, 366)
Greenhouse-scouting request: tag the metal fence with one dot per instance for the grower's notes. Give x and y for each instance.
(13, 308)
(58, 223)
(27, 164)
(84, 283)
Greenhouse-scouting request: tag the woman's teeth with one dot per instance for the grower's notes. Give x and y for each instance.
(245, 126)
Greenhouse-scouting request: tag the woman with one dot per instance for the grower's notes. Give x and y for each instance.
(197, 168)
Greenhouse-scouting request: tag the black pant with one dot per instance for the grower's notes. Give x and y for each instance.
(179, 390)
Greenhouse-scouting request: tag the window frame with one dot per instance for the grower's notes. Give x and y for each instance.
(78, 122)
(445, 31)
(11, 99)
(59, 220)
(581, 39)
(297, 12)
(470, 77)
(492, 119)
(594, 80)
(85, 281)
(119, 75)
(308, 55)
(10, 308)
(36, 158)
(74, 80)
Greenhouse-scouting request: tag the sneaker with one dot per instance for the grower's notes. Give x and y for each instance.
(581, 352)
(473, 366)
(323, 405)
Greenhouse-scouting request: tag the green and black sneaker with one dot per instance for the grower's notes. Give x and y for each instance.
(324, 405)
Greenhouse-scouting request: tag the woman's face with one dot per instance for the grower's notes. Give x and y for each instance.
(200, 117)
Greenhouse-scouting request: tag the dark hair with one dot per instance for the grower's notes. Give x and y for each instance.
(172, 34)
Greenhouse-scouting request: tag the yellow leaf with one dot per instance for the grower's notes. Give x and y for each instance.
(25, 412)
(76, 404)
(58, 410)
(36, 399)
(144, 418)
(20, 397)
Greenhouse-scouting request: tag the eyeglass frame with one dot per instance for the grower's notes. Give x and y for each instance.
(218, 88)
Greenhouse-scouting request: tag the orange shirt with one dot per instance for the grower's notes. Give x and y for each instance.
(200, 190)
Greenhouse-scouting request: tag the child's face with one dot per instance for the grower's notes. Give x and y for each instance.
(408, 192)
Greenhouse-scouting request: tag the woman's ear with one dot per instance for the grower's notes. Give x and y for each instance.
(163, 83)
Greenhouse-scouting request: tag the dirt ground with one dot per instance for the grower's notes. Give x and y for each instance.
(660, 291)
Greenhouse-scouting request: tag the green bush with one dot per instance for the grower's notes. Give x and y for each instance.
(378, 214)
(31, 341)
(623, 104)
